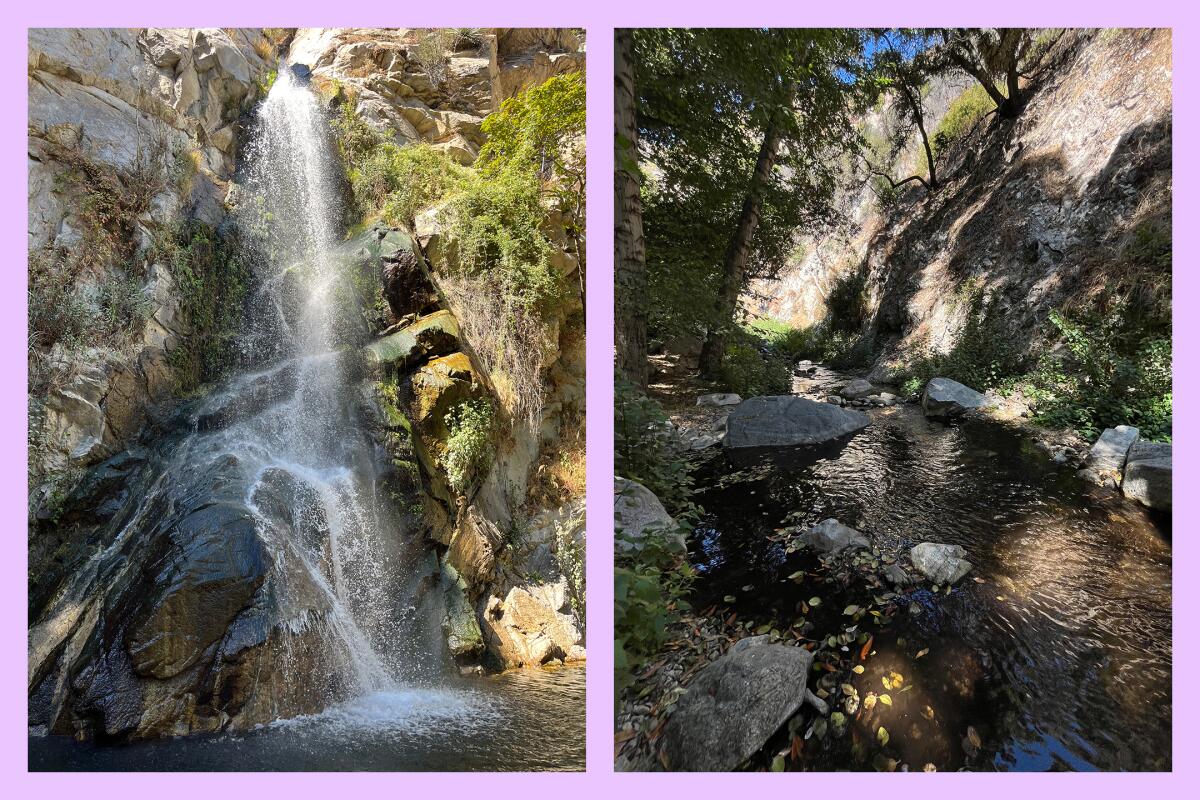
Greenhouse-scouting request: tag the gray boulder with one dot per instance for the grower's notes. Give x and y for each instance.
(1106, 460)
(940, 563)
(735, 704)
(729, 399)
(1148, 475)
(831, 536)
(637, 513)
(946, 398)
(857, 389)
(783, 421)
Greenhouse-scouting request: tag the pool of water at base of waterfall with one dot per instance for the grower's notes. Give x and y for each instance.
(526, 720)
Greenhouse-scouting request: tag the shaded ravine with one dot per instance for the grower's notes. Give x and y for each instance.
(1059, 659)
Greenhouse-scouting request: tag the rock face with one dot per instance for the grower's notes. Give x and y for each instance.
(831, 536)
(1148, 475)
(1093, 142)
(940, 563)
(783, 421)
(126, 107)
(532, 626)
(946, 398)
(734, 705)
(1106, 460)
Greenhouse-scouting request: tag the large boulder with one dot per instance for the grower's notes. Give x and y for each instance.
(940, 563)
(857, 389)
(1106, 460)
(831, 536)
(638, 512)
(783, 421)
(734, 705)
(463, 636)
(946, 398)
(1148, 475)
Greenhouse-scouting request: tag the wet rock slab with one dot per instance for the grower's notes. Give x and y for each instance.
(734, 705)
(784, 421)
(1106, 460)
(831, 536)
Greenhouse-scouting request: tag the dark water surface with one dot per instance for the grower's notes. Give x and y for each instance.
(1060, 659)
(524, 720)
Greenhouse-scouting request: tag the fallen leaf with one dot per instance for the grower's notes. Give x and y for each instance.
(882, 735)
(973, 737)
(859, 669)
(924, 652)
(814, 601)
(886, 699)
(862, 656)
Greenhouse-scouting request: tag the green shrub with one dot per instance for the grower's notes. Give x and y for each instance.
(649, 590)
(967, 109)
(846, 305)
(1109, 375)
(470, 445)
(497, 225)
(751, 368)
(213, 280)
(400, 182)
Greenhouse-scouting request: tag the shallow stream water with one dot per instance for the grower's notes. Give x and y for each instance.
(1057, 657)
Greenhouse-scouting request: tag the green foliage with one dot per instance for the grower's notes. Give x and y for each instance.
(652, 579)
(267, 81)
(535, 131)
(985, 356)
(1111, 373)
(753, 367)
(497, 226)
(646, 451)
(213, 281)
(470, 445)
(400, 182)
(966, 110)
(355, 138)
(571, 554)
(846, 304)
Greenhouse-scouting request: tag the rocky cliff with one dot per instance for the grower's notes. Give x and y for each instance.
(1037, 213)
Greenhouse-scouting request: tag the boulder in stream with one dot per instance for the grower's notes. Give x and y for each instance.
(1106, 460)
(940, 563)
(831, 536)
(1148, 475)
(946, 398)
(637, 512)
(721, 399)
(735, 704)
(857, 389)
(786, 420)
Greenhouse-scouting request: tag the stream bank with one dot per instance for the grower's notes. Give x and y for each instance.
(1052, 653)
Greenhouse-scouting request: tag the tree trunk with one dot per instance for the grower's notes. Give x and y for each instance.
(734, 269)
(630, 245)
(919, 119)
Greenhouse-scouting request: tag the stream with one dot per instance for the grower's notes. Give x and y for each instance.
(1054, 653)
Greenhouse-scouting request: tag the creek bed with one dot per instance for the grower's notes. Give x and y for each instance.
(1057, 657)
(529, 720)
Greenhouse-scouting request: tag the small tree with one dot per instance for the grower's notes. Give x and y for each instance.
(903, 66)
(990, 56)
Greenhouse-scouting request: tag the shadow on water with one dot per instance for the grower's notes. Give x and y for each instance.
(1059, 659)
(488, 724)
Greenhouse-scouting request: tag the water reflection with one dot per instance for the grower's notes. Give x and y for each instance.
(1060, 659)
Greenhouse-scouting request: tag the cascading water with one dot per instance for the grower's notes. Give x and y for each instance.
(249, 568)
